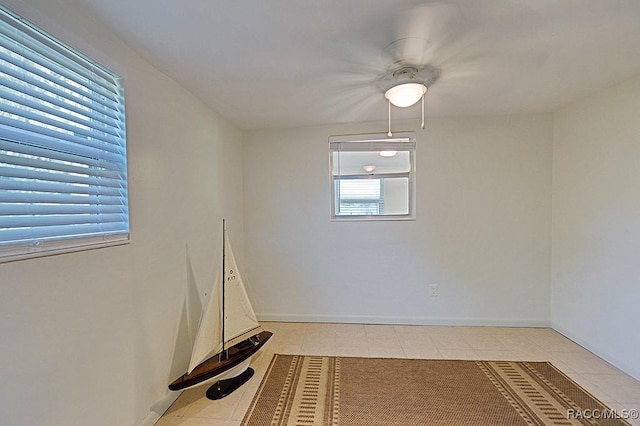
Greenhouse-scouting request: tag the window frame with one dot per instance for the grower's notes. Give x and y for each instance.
(372, 142)
(59, 92)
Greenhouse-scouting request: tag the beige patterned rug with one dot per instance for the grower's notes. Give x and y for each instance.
(346, 391)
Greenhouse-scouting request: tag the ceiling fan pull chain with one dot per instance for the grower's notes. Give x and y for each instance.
(425, 92)
(389, 134)
(422, 125)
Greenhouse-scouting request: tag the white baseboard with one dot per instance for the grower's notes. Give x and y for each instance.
(356, 319)
(596, 350)
(159, 409)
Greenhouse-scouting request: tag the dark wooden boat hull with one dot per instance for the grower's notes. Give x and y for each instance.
(217, 365)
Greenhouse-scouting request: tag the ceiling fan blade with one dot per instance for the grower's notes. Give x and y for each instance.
(421, 30)
(352, 105)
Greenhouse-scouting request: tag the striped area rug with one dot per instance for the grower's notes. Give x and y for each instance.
(346, 391)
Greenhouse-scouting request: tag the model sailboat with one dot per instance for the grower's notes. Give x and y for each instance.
(228, 335)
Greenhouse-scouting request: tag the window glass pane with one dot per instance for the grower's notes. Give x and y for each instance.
(346, 163)
(396, 196)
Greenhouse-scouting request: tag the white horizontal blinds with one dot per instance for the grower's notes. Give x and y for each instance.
(360, 189)
(360, 196)
(63, 171)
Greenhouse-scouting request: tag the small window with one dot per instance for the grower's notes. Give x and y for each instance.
(372, 176)
(63, 162)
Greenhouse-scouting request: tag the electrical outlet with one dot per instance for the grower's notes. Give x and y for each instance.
(433, 290)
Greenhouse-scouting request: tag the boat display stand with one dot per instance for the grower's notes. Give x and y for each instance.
(224, 387)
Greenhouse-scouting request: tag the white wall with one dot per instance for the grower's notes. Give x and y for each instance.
(482, 231)
(94, 338)
(595, 298)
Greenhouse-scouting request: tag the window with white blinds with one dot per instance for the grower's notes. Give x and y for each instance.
(372, 176)
(63, 162)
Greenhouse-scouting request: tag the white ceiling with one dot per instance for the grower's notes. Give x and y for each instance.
(285, 63)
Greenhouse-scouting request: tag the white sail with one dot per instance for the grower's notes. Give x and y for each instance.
(240, 321)
(209, 336)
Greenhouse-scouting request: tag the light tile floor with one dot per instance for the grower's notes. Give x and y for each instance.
(613, 387)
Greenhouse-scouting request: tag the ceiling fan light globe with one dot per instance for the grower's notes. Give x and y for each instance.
(405, 95)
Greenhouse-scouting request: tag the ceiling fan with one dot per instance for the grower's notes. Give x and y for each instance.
(418, 40)
(443, 52)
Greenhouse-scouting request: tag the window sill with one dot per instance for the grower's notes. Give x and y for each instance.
(52, 251)
(354, 218)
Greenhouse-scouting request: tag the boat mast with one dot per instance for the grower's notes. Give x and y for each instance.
(224, 282)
